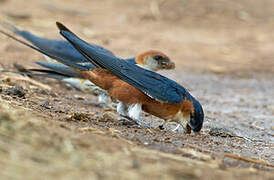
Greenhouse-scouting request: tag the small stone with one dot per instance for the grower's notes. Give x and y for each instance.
(46, 104)
(108, 115)
(222, 132)
(76, 117)
(16, 91)
(78, 97)
(161, 127)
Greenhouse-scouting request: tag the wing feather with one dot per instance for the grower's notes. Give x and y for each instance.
(153, 84)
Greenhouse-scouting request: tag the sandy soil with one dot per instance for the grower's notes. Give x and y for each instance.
(223, 55)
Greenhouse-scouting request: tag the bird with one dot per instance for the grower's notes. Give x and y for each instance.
(138, 88)
(63, 52)
(135, 87)
(61, 49)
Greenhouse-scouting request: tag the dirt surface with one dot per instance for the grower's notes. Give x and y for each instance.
(223, 55)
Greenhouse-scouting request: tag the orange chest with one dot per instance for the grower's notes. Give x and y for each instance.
(161, 110)
(166, 110)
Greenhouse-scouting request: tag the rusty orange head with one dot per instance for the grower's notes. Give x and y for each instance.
(154, 60)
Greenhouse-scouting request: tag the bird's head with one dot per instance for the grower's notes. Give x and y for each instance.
(154, 61)
(197, 117)
(191, 115)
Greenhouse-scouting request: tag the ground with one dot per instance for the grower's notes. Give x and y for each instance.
(223, 55)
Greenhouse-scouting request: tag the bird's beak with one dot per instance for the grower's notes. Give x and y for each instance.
(171, 65)
(167, 64)
(184, 121)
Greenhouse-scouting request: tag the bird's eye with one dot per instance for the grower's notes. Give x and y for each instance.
(157, 58)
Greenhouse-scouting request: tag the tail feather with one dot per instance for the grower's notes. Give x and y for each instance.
(60, 68)
(59, 59)
(105, 61)
(83, 46)
(58, 48)
(48, 74)
(51, 46)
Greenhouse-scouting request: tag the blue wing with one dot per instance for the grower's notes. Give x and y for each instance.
(153, 84)
(66, 70)
(42, 73)
(80, 65)
(61, 69)
(58, 48)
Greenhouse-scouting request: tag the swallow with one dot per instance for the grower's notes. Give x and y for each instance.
(61, 49)
(138, 88)
(64, 50)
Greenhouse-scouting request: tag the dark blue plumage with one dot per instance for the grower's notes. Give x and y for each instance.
(63, 60)
(154, 85)
(58, 47)
(42, 73)
(59, 50)
(131, 60)
(196, 121)
(61, 69)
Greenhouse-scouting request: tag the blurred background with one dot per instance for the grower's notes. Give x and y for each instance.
(224, 55)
